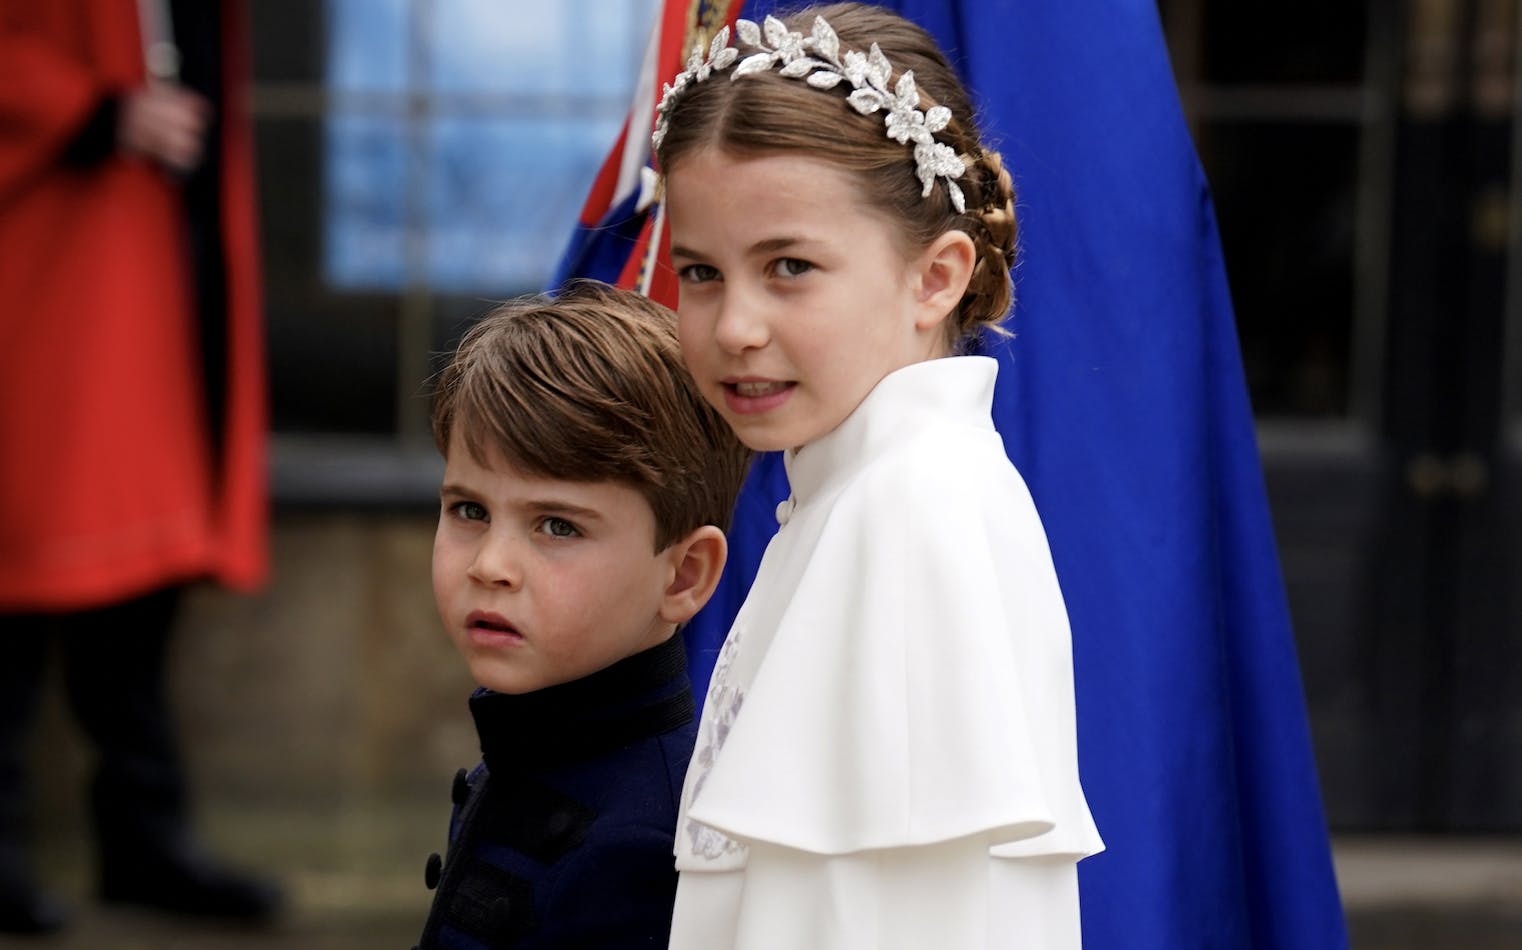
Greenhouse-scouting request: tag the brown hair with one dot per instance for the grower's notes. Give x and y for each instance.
(589, 386)
(766, 113)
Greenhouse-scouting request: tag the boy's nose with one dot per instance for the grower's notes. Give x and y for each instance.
(496, 564)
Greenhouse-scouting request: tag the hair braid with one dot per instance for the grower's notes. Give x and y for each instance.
(991, 223)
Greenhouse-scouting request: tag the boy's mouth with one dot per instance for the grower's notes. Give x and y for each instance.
(492, 625)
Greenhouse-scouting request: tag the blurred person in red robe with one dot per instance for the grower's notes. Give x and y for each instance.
(132, 415)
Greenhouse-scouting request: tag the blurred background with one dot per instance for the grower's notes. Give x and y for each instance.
(1363, 157)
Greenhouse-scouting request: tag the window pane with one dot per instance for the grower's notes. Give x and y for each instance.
(474, 182)
(567, 48)
(366, 171)
(504, 195)
(367, 45)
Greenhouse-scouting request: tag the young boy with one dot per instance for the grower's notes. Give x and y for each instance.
(587, 487)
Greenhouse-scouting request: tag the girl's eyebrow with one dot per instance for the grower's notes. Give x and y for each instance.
(766, 246)
(776, 244)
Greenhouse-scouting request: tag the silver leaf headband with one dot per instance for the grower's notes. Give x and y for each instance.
(817, 60)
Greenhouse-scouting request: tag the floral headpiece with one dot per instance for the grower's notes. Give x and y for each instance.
(817, 60)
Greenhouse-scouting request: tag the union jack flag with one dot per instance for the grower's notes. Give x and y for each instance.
(620, 236)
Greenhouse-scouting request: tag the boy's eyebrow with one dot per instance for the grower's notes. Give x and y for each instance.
(559, 507)
(551, 505)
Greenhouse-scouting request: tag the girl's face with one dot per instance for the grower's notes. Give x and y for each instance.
(795, 298)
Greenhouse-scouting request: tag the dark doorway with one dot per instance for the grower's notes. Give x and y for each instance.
(1363, 163)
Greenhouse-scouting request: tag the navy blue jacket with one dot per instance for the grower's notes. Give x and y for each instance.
(562, 837)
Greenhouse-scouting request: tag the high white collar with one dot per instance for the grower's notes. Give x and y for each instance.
(907, 400)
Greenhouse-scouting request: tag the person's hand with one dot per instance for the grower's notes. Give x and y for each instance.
(164, 123)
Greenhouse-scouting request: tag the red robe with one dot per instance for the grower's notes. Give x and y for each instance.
(108, 484)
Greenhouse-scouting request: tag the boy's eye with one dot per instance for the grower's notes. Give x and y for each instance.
(468, 511)
(698, 273)
(793, 267)
(558, 528)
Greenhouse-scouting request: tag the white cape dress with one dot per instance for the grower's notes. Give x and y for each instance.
(887, 755)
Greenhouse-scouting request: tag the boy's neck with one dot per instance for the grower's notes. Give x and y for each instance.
(640, 695)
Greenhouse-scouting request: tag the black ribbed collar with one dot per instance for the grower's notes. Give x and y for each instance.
(640, 696)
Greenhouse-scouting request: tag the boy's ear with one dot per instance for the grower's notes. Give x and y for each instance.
(943, 271)
(697, 561)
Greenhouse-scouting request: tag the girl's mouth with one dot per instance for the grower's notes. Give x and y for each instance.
(756, 395)
(754, 389)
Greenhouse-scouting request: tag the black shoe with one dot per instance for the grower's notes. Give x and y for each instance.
(191, 885)
(24, 909)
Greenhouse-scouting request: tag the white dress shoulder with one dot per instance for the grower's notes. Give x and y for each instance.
(887, 755)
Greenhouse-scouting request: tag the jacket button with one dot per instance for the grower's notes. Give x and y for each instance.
(432, 870)
(461, 788)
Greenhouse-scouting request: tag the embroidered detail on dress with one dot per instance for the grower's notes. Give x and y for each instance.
(720, 709)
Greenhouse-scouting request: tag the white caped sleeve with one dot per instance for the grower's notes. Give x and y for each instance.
(918, 687)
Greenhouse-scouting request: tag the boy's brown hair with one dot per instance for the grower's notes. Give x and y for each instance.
(589, 386)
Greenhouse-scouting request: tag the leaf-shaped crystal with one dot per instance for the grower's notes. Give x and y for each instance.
(824, 79)
(856, 67)
(749, 32)
(908, 95)
(866, 101)
(826, 43)
(755, 63)
(937, 118)
(720, 40)
(776, 32)
(800, 67)
(878, 68)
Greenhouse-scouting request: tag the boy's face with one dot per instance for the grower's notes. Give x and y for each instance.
(541, 581)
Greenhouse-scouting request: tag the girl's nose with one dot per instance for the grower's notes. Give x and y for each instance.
(496, 563)
(741, 325)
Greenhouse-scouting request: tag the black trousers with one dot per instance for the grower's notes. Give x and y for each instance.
(114, 674)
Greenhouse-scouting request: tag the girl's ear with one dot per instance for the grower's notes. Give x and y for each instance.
(942, 272)
(697, 561)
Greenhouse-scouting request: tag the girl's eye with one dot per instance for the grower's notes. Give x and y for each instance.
(793, 267)
(558, 528)
(468, 511)
(698, 273)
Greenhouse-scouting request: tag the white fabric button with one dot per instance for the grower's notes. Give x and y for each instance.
(785, 511)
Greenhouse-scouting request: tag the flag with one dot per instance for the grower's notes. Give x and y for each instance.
(1122, 401)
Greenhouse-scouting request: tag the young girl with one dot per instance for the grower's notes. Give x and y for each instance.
(887, 754)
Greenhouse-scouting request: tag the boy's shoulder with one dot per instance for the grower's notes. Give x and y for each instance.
(576, 853)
